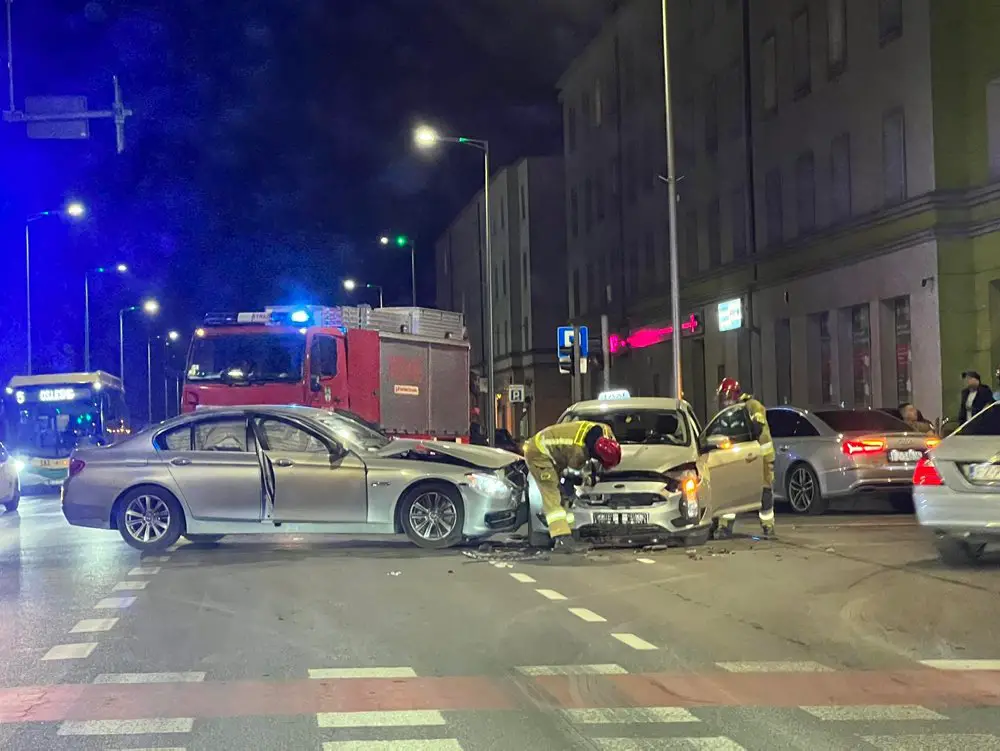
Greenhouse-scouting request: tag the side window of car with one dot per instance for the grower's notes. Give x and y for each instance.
(781, 422)
(221, 435)
(282, 436)
(803, 428)
(178, 439)
(733, 423)
(323, 355)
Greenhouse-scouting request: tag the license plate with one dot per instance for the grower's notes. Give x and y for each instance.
(909, 456)
(984, 473)
(624, 518)
(51, 463)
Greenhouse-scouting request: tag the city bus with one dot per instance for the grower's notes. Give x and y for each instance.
(47, 416)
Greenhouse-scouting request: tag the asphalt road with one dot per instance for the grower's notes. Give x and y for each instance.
(847, 633)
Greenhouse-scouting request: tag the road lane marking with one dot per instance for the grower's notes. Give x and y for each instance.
(150, 678)
(777, 666)
(550, 594)
(383, 719)
(70, 651)
(157, 558)
(158, 748)
(635, 642)
(874, 713)
(717, 743)
(443, 744)
(114, 603)
(645, 560)
(588, 615)
(622, 715)
(93, 625)
(337, 673)
(144, 571)
(523, 578)
(127, 727)
(538, 670)
(942, 742)
(962, 664)
(128, 586)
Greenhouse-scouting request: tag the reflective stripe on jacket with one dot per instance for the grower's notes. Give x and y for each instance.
(565, 442)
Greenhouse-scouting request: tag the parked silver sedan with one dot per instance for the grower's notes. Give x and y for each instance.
(267, 470)
(956, 489)
(830, 453)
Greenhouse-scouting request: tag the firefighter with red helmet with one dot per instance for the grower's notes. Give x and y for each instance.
(730, 394)
(561, 447)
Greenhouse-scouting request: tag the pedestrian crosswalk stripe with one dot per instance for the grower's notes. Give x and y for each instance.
(537, 670)
(127, 586)
(942, 741)
(645, 560)
(396, 718)
(524, 578)
(635, 642)
(338, 673)
(114, 603)
(150, 678)
(805, 666)
(962, 664)
(144, 571)
(874, 713)
(127, 727)
(716, 743)
(628, 715)
(588, 615)
(70, 651)
(91, 625)
(551, 594)
(443, 744)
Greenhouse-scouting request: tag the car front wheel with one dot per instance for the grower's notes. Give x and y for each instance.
(433, 516)
(150, 519)
(803, 491)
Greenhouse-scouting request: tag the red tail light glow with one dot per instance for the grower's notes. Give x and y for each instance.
(863, 446)
(76, 466)
(926, 473)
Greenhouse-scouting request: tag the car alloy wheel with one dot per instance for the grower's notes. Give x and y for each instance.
(433, 516)
(147, 518)
(802, 489)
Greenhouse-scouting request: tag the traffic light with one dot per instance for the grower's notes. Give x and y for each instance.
(402, 241)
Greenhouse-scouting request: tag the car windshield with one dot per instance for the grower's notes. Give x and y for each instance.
(352, 431)
(986, 422)
(861, 421)
(633, 426)
(254, 357)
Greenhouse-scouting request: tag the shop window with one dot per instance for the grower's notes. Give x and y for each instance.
(904, 353)
(783, 360)
(836, 37)
(820, 324)
(858, 340)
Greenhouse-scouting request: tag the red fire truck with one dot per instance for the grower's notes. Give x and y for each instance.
(405, 370)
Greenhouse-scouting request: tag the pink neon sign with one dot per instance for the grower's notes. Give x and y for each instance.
(648, 337)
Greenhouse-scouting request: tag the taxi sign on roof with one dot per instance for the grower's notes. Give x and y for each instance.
(614, 395)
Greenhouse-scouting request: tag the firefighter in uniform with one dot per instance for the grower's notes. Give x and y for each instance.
(729, 394)
(567, 445)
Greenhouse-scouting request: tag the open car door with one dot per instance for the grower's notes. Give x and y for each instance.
(731, 460)
(266, 479)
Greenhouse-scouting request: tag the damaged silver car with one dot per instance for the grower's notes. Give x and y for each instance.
(297, 470)
(675, 479)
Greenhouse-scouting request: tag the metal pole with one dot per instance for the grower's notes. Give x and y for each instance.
(491, 413)
(10, 57)
(149, 380)
(166, 397)
(577, 376)
(121, 345)
(381, 304)
(675, 300)
(86, 321)
(177, 392)
(27, 277)
(413, 272)
(606, 351)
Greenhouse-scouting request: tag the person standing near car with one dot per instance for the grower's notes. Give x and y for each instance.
(976, 397)
(730, 394)
(553, 450)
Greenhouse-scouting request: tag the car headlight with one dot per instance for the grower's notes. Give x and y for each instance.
(19, 465)
(488, 484)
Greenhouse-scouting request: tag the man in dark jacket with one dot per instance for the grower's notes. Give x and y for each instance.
(975, 397)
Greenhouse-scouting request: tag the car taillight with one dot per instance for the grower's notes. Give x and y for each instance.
(926, 473)
(76, 466)
(932, 442)
(863, 446)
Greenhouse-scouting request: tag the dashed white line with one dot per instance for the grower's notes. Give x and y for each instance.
(635, 642)
(394, 718)
(127, 727)
(962, 664)
(70, 651)
(158, 748)
(939, 742)
(523, 578)
(805, 666)
(539, 670)
(443, 744)
(551, 594)
(588, 615)
(150, 678)
(144, 571)
(628, 715)
(874, 713)
(129, 586)
(338, 673)
(93, 625)
(157, 558)
(114, 603)
(645, 560)
(717, 743)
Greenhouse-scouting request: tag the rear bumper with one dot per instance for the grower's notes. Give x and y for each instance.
(961, 514)
(881, 478)
(79, 513)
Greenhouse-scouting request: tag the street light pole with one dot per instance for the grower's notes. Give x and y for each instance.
(121, 343)
(121, 268)
(675, 301)
(149, 380)
(413, 273)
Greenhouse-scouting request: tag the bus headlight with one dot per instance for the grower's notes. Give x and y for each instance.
(19, 465)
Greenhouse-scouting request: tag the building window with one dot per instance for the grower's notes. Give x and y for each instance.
(598, 104)
(805, 192)
(571, 129)
(769, 63)
(894, 157)
(801, 58)
(503, 272)
(904, 354)
(690, 258)
(861, 354)
(890, 20)
(575, 293)
(496, 282)
(773, 206)
(820, 329)
(524, 203)
(588, 205)
(526, 334)
(574, 213)
(525, 274)
(712, 116)
(739, 213)
(503, 212)
(783, 360)
(599, 197)
(714, 235)
(836, 37)
(840, 177)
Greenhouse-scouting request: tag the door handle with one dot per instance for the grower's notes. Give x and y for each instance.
(283, 463)
(180, 461)
(783, 449)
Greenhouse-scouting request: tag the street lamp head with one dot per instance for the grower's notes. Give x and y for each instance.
(151, 307)
(173, 335)
(425, 137)
(384, 240)
(75, 209)
(121, 268)
(350, 285)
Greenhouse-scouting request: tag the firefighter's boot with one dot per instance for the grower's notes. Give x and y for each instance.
(767, 514)
(568, 545)
(724, 529)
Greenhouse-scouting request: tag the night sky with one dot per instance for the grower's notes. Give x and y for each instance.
(269, 147)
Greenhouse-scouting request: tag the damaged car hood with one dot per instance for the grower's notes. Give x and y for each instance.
(478, 456)
(651, 458)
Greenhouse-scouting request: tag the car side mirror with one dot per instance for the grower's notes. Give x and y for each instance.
(314, 383)
(716, 443)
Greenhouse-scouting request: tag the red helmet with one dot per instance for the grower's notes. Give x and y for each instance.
(729, 391)
(608, 452)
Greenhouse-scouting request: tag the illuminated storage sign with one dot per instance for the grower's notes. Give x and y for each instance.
(731, 315)
(57, 395)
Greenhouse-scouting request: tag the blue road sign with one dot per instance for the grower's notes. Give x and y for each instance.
(564, 338)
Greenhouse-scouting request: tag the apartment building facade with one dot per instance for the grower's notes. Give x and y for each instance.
(528, 245)
(874, 131)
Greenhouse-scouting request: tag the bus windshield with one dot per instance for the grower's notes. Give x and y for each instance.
(254, 357)
(54, 430)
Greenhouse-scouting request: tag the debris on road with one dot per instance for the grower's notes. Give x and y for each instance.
(830, 550)
(395, 573)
